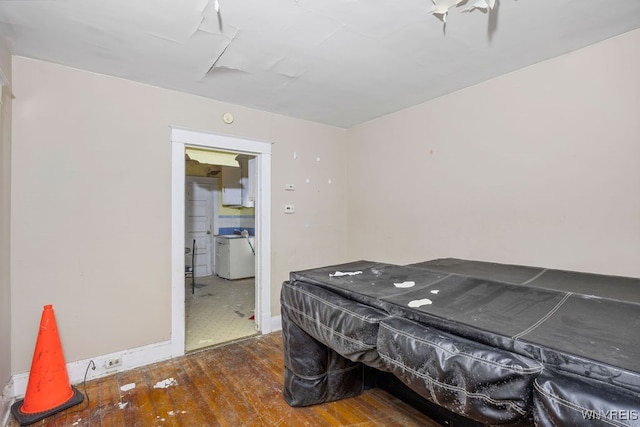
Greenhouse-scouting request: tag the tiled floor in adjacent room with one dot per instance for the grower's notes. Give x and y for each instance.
(219, 311)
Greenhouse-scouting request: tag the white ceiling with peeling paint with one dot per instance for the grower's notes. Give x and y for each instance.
(339, 62)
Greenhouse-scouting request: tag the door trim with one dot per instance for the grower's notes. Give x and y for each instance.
(180, 139)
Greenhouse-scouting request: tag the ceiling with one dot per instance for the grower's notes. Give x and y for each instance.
(339, 62)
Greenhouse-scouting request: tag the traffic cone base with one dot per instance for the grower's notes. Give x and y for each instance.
(29, 418)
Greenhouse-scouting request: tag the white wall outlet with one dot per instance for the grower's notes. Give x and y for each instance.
(289, 209)
(289, 187)
(113, 363)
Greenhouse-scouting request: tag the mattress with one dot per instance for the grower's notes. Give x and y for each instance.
(496, 343)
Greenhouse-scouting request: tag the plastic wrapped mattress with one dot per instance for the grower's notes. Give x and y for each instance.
(498, 344)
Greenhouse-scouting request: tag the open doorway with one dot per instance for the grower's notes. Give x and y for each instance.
(220, 254)
(260, 241)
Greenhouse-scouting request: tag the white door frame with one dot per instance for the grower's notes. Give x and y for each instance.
(180, 139)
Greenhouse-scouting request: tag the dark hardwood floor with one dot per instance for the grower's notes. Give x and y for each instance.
(238, 384)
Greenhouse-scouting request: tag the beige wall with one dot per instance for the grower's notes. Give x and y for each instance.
(539, 167)
(91, 208)
(5, 218)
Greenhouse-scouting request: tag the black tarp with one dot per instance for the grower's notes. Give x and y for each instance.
(597, 333)
(575, 325)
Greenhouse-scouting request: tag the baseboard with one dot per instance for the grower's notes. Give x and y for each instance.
(276, 323)
(6, 400)
(132, 358)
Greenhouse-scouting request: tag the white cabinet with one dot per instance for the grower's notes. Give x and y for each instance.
(248, 176)
(238, 184)
(231, 186)
(234, 257)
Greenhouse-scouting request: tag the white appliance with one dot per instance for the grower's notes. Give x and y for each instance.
(234, 257)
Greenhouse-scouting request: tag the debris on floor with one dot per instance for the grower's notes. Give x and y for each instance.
(128, 387)
(166, 383)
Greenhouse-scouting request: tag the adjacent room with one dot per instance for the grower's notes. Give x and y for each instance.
(167, 166)
(219, 248)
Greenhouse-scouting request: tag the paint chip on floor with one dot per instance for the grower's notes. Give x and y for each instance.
(128, 387)
(435, 291)
(166, 383)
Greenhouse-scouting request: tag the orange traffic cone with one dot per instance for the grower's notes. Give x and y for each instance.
(48, 389)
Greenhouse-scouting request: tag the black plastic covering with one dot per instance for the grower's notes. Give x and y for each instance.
(569, 400)
(315, 373)
(498, 344)
(483, 383)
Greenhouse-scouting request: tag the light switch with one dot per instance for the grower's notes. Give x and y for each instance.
(289, 187)
(289, 209)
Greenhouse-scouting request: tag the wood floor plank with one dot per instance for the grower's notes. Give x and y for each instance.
(238, 384)
(139, 408)
(192, 406)
(392, 411)
(165, 385)
(224, 408)
(109, 402)
(91, 406)
(246, 384)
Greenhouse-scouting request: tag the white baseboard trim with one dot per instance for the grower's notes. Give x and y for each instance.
(6, 400)
(276, 323)
(132, 358)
